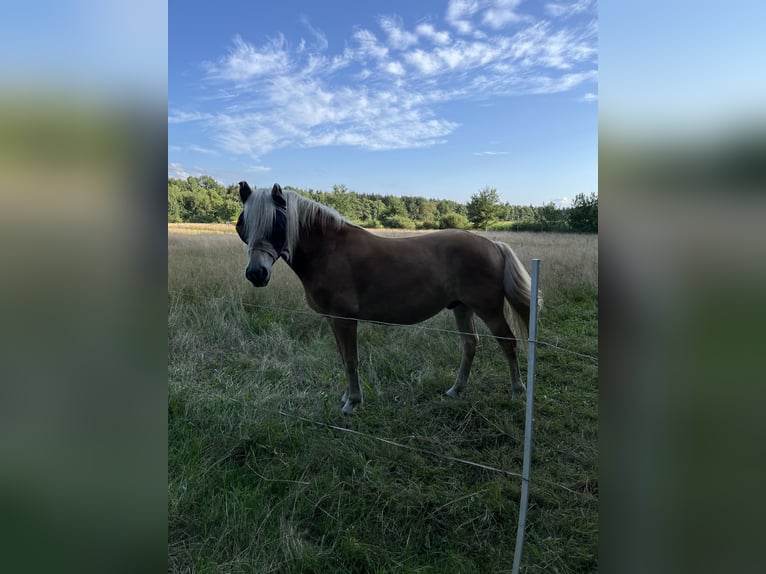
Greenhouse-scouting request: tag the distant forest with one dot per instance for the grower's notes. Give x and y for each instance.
(204, 200)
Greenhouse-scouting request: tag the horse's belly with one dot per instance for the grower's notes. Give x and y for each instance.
(401, 309)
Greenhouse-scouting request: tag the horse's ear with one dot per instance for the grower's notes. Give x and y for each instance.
(244, 191)
(278, 196)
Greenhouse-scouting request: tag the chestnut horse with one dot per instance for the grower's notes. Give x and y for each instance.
(350, 274)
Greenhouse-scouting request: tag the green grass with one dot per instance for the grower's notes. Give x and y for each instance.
(259, 483)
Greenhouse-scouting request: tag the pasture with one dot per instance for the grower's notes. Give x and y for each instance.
(260, 481)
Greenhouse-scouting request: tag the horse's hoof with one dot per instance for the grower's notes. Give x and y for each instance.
(452, 393)
(349, 409)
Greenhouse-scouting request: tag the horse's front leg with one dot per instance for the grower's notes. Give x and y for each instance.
(345, 335)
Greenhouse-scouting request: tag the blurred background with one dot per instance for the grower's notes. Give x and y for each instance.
(682, 176)
(83, 168)
(83, 144)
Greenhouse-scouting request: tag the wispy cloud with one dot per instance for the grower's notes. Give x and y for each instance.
(565, 9)
(180, 117)
(398, 37)
(200, 149)
(460, 14)
(394, 68)
(387, 88)
(177, 171)
(501, 13)
(368, 46)
(490, 153)
(440, 38)
(589, 97)
(244, 61)
(320, 38)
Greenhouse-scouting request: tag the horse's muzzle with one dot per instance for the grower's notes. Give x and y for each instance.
(258, 275)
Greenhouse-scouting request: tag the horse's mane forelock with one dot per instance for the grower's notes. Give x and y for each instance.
(302, 213)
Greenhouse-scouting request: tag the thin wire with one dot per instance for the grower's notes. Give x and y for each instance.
(389, 441)
(552, 346)
(419, 327)
(436, 454)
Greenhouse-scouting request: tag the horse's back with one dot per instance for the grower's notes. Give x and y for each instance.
(444, 267)
(462, 251)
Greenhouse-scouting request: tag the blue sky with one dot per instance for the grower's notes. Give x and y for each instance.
(689, 69)
(431, 98)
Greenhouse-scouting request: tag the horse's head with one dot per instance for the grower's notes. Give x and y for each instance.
(262, 225)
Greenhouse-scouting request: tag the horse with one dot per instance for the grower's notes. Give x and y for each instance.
(351, 275)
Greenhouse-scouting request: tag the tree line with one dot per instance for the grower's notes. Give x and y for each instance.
(204, 200)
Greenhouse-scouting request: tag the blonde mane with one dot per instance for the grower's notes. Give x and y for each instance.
(302, 213)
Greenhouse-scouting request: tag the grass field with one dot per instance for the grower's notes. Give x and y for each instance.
(260, 482)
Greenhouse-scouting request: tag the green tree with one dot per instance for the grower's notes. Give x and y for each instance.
(427, 214)
(395, 213)
(549, 217)
(399, 222)
(583, 215)
(175, 205)
(445, 206)
(207, 182)
(484, 208)
(201, 200)
(340, 199)
(371, 210)
(228, 209)
(454, 220)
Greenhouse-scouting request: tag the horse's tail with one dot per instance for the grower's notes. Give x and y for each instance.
(518, 286)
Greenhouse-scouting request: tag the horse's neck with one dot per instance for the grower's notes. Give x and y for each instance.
(313, 249)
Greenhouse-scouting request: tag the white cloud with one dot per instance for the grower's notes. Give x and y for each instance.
(369, 47)
(428, 31)
(539, 45)
(177, 171)
(278, 96)
(245, 61)
(472, 54)
(589, 97)
(552, 85)
(490, 153)
(394, 68)
(246, 133)
(259, 168)
(179, 117)
(307, 114)
(501, 13)
(200, 149)
(496, 14)
(459, 13)
(426, 62)
(319, 36)
(562, 9)
(461, 55)
(398, 37)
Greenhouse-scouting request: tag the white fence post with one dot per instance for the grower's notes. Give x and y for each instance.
(532, 347)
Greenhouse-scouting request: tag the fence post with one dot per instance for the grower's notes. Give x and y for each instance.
(532, 347)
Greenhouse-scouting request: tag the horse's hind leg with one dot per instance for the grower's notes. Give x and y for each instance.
(345, 335)
(505, 338)
(468, 341)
